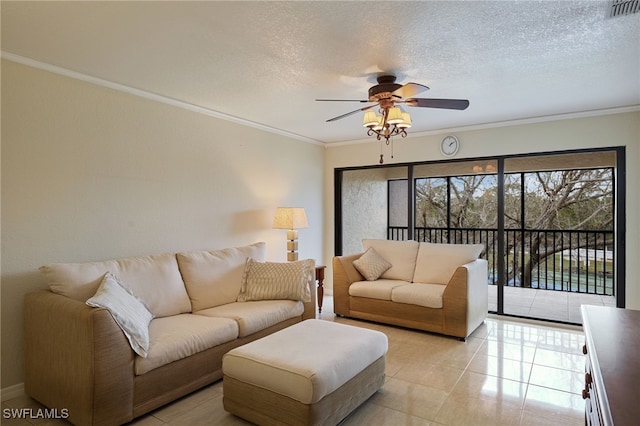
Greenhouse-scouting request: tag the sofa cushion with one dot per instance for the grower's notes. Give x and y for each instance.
(379, 289)
(428, 295)
(401, 254)
(213, 278)
(156, 280)
(371, 265)
(256, 316)
(179, 336)
(437, 262)
(126, 309)
(276, 281)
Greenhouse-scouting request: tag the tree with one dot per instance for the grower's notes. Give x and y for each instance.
(563, 200)
(554, 200)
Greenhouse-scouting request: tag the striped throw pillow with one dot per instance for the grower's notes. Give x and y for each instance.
(271, 280)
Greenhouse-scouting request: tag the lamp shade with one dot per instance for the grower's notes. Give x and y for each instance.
(406, 121)
(379, 126)
(395, 116)
(290, 218)
(370, 119)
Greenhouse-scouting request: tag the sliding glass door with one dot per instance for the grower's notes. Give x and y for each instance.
(549, 223)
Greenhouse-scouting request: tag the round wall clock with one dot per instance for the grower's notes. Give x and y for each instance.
(449, 146)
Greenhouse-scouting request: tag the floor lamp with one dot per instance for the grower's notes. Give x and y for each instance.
(292, 219)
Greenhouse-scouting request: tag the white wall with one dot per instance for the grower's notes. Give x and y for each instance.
(90, 173)
(621, 129)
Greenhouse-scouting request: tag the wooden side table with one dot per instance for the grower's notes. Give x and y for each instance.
(320, 279)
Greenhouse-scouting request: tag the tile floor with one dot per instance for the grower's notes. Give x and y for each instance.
(508, 372)
(546, 304)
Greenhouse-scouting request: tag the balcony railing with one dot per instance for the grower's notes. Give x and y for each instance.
(561, 260)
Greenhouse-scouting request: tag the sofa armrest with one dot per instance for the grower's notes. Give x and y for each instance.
(310, 306)
(466, 299)
(77, 358)
(344, 273)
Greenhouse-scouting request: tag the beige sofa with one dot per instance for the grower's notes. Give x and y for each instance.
(78, 358)
(440, 288)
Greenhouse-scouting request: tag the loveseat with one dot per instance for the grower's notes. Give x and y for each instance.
(105, 366)
(440, 288)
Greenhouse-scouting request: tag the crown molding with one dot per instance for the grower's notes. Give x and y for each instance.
(507, 123)
(151, 96)
(217, 114)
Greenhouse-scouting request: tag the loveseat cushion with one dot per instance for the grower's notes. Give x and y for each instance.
(428, 295)
(213, 278)
(179, 336)
(437, 262)
(156, 280)
(401, 254)
(257, 315)
(380, 289)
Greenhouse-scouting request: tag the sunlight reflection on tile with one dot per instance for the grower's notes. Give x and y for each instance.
(563, 360)
(505, 368)
(477, 385)
(555, 378)
(561, 340)
(436, 376)
(507, 350)
(551, 401)
(514, 333)
(478, 412)
(410, 398)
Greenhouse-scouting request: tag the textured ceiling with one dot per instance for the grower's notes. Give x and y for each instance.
(266, 62)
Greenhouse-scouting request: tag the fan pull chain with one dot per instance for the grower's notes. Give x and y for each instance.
(388, 144)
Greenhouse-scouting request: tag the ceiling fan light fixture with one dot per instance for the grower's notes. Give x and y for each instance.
(390, 120)
(395, 116)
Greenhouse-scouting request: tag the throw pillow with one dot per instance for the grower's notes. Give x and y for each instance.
(371, 265)
(271, 280)
(131, 315)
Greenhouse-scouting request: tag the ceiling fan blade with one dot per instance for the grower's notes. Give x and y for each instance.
(351, 113)
(409, 90)
(342, 100)
(459, 104)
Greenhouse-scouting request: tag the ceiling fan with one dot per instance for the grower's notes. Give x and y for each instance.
(388, 96)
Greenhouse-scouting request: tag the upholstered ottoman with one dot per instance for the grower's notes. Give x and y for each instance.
(312, 373)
